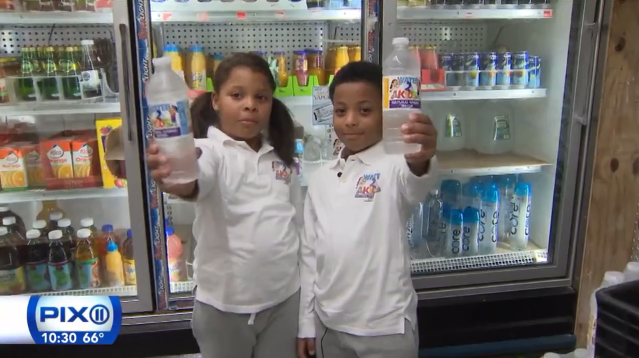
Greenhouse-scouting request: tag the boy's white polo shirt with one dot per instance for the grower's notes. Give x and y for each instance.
(248, 218)
(355, 264)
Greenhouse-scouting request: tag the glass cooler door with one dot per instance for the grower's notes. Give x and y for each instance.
(71, 196)
(504, 82)
(304, 42)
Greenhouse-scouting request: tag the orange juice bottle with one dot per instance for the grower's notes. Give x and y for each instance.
(354, 53)
(34, 165)
(83, 153)
(13, 168)
(317, 67)
(341, 58)
(177, 269)
(59, 156)
(282, 71)
(86, 261)
(129, 259)
(114, 268)
(330, 60)
(198, 68)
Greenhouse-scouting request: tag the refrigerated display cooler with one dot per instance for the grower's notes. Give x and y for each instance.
(507, 83)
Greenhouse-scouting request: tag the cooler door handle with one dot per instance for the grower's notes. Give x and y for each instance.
(126, 76)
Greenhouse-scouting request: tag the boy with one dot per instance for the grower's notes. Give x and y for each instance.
(357, 297)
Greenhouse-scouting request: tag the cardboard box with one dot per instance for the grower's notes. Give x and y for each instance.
(13, 169)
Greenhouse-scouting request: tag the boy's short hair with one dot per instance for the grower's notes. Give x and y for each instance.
(361, 71)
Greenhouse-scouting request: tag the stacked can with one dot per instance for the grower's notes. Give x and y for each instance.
(471, 68)
(520, 70)
(488, 70)
(534, 72)
(504, 67)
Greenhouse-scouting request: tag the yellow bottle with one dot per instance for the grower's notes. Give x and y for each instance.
(341, 59)
(282, 72)
(198, 68)
(172, 51)
(114, 267)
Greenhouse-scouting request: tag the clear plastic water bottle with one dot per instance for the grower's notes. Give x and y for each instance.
(454, 234)
(402, 74)
(451, 193)
(471, 195)
(470, 242)
(489, 221)
(415, 232)
(168, 100)
(506, 185)
(520, 216)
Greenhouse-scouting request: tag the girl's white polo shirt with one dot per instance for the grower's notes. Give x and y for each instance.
(248, 218)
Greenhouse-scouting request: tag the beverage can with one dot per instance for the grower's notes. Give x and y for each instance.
(520, 69)
(488, 74)
(459, 60)
(446, 64)
(534, 72)
(471, 69)
(504, 66)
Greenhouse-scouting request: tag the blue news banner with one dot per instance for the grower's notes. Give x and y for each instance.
(59, 319)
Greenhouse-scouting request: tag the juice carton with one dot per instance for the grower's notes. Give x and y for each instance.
(103, 128)
(57, 157)
(34, 165)
(84, 153)
(13, 169)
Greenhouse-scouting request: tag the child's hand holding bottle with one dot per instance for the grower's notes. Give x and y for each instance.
(160, 170)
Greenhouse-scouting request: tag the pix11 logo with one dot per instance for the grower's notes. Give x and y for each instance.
(74, 319)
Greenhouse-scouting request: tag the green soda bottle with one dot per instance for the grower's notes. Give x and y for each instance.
(29, 67)
(70, 69)
(49, 84)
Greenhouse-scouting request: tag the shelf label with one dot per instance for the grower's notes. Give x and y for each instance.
(202, 16)
(547, 13)
(280, 15)
(468, 14)
(240, 15)
(166, 15)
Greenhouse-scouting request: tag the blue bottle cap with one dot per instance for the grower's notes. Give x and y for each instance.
(197, 48)
(167, 48)
(523, 189)
(112, 246)
(471, 215)
(169, 230)
(457, 217)
(218, 56)
(491, 195)
(129, 233)
(107, 228)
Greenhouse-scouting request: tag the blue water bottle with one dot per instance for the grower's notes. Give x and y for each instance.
(451, 192)
(470, 241)
(520, 216)
(454, 232)
(471, 195)
(506, 185)
(489, 221)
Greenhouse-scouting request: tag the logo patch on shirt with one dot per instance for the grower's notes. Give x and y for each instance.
(367, 186)
(282, 171)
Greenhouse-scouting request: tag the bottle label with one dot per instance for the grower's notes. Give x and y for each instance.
(501, 128)
(12, 281)
(401, 92)
(37, 276)
(88, 273)
(91, 80)
(3, 87)
(116, 279)
(176, 269)
(170, 120)
(199, 80)
(129, 272)
(60, 274)
(453, 127)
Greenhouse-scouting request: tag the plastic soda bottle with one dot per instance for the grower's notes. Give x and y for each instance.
(59, 263)
(87, 262)
(87, 223)
(176, 264)
(11, 271)
(198, 68)
(128, 259)
(36, 262)
(114, 270)
(54, 217)
(400, 96)
(169, 110)
(101, 244)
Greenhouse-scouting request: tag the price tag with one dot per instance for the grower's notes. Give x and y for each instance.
(547, 14)
(166, 16)
(280, 15)
(240, 15)
(202, 16)
(468, 14)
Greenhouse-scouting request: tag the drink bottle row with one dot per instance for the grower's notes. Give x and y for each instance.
(52, 256)
(56, 5)
(471, 219)
(61, 73)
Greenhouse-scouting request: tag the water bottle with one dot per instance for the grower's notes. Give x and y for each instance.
(471, 195)
(470, 241)
(432, 218)
(506, 185)
(443, 229)
(454, 234)
(451, 193)
(520, 216)
(489, 220)
(414, 232)
(168, 100)
(402, 74)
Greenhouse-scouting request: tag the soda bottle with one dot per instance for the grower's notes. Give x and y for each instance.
(400, 95)
(168, 100)
(6, 212)
(69, 243)
(49, 85)
(70, 70)
(54, 217)
(114, 269)
(59, 263)
(86, 261)
(101, 244)
(41, 226)
(87, 223)
(128, 259)
(36, 262)
(48, 207)
(91, 85)
(29, 67)
(176, 265)
(11, 270)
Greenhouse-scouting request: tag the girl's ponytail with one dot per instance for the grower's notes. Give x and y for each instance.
(281, 132)
(202, 114)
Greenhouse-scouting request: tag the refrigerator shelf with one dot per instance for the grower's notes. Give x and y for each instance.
(483, 94)
(11, 197)
(256, 16)
(504, 257)
(58, 18)
(469, 13)
(62, 108)
(98, 291)
(470, 162)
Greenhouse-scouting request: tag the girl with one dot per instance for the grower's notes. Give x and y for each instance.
(248, 215)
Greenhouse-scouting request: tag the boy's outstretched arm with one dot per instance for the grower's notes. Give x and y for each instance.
(418, 173)
(306, 329)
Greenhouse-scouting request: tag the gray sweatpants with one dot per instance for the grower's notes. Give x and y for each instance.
(334, 344)
(271, 333)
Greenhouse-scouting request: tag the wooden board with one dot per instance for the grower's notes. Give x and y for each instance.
(614, 188)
